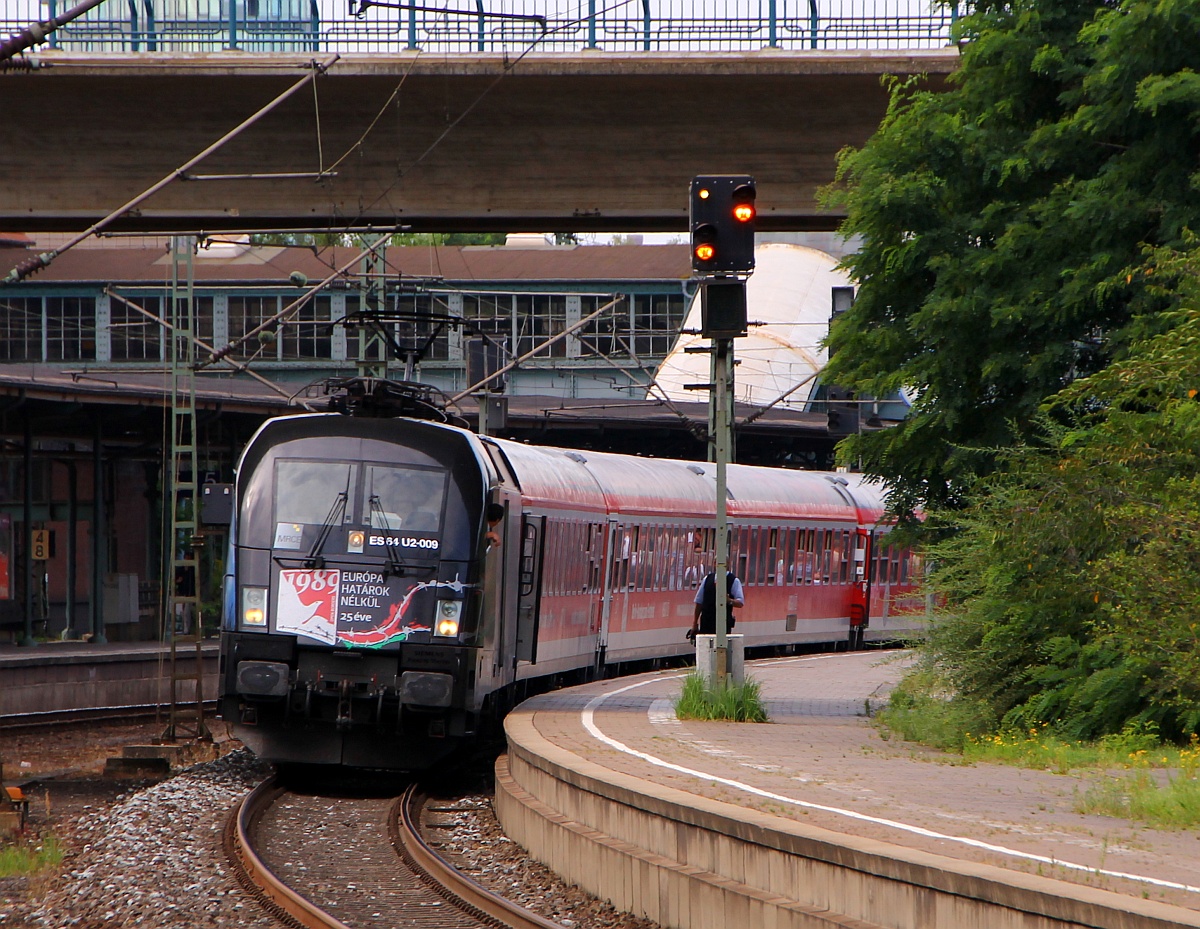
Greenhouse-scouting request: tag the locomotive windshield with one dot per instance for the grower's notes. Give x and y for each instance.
(403, 498)
(390, 497)
(306, 491)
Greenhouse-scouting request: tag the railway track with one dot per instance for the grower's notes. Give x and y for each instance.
(322, 862)
(83, 716)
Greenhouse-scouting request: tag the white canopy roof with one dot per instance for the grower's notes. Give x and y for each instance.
(791, 292)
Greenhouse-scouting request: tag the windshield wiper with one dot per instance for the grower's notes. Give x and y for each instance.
(315, 557)
(395, 565)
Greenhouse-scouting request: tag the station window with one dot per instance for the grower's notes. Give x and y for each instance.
(605, 335)
(537, 318)
(489, 314)
(70, 328)
(134, 336)
(654, 322)
(307, 335)
(20, 328)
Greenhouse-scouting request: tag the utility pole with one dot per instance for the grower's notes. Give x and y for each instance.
(183, 622)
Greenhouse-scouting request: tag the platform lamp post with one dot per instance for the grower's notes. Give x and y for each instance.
(721, 220)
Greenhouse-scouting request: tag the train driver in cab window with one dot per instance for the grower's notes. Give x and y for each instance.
(495, 513)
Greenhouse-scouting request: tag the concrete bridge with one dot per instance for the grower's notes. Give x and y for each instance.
(434, 140)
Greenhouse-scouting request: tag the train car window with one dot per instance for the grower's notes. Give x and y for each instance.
(739, 554)
(581, 555)
(551, 580)
(654, 561)
(572, 564)
(645, 556)
(595, 534)
(567, 555)
(566, 564)
(681, 556)
(625, 547)
(668, 558)
(404, 498)
(844, 556)
(773, 565)
(818, 547)
(575, 555)
(904, 557)
(307, 492)
(789, 556)
(895, 565)
(653, 557)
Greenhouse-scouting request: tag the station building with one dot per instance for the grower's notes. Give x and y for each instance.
(88, 388)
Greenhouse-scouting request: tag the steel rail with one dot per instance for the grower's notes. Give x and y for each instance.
(464, 890)
(77, 716)
(252, 873)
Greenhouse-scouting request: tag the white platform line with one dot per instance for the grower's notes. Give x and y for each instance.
(588, 717)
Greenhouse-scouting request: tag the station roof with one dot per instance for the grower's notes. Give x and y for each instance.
(485, 265)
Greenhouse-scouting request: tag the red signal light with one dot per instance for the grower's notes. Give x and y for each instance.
(705, 252)
(743, 212)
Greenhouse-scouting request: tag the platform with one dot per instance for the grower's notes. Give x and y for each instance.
(922, 835)
(56, 678)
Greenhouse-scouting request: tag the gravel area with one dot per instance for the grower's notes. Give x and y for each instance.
(150, 856)
(153, 858)
(478, 847)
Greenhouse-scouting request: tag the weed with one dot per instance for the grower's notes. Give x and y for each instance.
(738, 702)
(1175, 805)
(26, 860)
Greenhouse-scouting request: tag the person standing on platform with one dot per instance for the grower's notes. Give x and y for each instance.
(705, 621)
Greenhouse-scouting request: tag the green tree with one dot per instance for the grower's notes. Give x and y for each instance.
(1003, 222)
(1070, 589)
(401, 238)
(448, 238)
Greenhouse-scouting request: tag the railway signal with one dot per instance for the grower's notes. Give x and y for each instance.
(721, 222)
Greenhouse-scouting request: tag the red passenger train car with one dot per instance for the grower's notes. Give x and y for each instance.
(371, 620)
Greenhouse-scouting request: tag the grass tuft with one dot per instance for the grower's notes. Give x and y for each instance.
(737, 702)
(1140, 796)
(28, 860)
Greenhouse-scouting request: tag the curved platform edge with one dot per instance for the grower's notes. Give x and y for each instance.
(690, 862)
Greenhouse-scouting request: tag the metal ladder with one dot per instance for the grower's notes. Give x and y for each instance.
(182, 627)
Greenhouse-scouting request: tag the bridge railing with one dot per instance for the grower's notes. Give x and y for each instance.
(510, 26)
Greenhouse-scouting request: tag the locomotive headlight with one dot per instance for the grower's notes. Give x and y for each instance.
(449, 612)
(254, 606)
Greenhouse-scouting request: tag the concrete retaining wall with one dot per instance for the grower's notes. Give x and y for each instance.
(692, 863)
(47, 680)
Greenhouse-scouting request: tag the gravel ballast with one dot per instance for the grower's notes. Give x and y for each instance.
(153, 858)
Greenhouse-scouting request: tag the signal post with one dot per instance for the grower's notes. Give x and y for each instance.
(721, 221)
